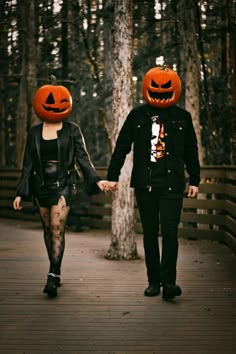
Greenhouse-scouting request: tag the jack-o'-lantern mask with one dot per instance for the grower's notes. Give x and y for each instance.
(161, 87)
(52, 103)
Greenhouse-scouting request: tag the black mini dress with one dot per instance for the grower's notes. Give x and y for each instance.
(50, 193)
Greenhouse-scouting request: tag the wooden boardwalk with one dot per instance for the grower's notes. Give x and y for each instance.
(101, 308)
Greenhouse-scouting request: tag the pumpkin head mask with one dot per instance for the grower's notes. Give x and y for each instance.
(161, 87)
(52, 103)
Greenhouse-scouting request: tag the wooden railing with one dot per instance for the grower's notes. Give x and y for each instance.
(211, 216)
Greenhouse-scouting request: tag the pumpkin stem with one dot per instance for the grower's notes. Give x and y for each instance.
(53, 80)
(164, 67)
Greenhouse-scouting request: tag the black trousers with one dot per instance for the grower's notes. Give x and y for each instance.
(160, 210)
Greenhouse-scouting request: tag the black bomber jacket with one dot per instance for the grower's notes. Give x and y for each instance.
(181, 151)
(71, 149)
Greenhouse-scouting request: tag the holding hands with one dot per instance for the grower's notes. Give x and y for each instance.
(107, 186)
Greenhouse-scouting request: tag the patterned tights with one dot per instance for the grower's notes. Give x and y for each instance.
(54, 221)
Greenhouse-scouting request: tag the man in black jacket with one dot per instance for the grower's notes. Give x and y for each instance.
(164, 144)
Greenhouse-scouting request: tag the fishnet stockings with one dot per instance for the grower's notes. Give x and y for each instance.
(54, 221)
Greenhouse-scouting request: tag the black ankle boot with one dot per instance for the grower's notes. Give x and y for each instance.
(152, 290)
(171, 291)
(53, 282)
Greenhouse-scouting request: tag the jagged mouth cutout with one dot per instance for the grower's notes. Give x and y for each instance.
(55, 110)
(160, 96)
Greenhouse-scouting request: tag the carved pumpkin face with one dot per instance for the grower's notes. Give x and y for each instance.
(161, 87)
(52, 103)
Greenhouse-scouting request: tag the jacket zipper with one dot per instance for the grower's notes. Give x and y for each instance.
(150, 178)
(41, 169)
(149, 168)
(58, 148)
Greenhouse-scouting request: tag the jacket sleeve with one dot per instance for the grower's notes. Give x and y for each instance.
(191, 154)
(23, 186)
(122, 148)
(83, 160)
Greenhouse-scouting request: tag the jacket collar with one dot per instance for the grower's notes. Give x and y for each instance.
(165, 113)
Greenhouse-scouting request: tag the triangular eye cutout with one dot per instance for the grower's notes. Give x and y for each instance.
(50, 99)
(154, 84)
(167, 85)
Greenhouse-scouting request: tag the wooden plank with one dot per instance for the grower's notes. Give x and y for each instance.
(101, 198)
(212, 188)
(210, 219)
(8, 183)
(230, 173)
(201, 234)
(7, 193)
(10, 172)
(230, 241)
(230, 190)
(230, 223)
(99, 210)
(99, 223)
(19, 215)
(100, 306)
(230, 207)
(214, 172)
(203, 204)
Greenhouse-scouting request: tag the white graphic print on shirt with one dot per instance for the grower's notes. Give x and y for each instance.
(157, 144)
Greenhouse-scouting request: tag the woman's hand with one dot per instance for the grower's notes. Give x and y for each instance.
(112, 186)
(102, 185)
(107, 186)
(192, 191)
(17, 203)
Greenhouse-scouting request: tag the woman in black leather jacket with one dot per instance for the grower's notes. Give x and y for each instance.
(51, 151)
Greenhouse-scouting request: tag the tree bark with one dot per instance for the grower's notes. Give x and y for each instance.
(123, 243)
(108, 6)
(31, 61)
(25, 114)
(231, 68)
(3, 85)
(190, 65)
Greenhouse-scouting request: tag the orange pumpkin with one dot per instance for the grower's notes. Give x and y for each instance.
(161, 87)
(52, 103)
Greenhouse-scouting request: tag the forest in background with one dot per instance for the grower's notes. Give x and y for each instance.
(74, 40)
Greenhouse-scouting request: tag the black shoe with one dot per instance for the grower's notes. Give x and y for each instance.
(53, 282)
(58, 282)
(171, 291)
(152, 290)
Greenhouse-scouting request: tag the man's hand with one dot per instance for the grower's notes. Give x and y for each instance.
(102, 185)
(17, 203)
(112, 186)
(192, 191)
(107, 186)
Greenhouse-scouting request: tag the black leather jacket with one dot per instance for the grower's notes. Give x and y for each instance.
(71, 149)
(180, 148)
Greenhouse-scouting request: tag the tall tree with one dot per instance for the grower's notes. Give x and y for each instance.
(230, 40)
(190, 66)
(3, 81)
(25, 115)
(123, 243)
(106, 112)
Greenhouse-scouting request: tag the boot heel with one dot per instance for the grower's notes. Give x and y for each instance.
(53, 282)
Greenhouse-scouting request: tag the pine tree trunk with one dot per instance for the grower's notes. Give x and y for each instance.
(123, 243)
(25, 114)
(3, 86)
(22, 111)
(190, 66)
(191, 70)
(31, 61)
(108, 67)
